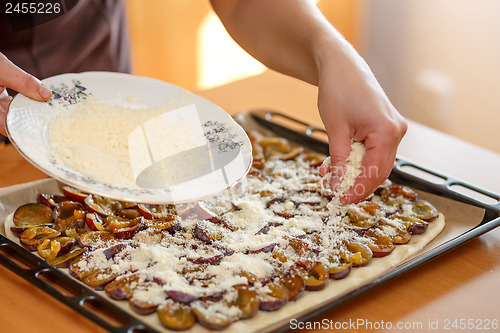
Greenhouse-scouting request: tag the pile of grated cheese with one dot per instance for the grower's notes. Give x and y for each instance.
(114, 143)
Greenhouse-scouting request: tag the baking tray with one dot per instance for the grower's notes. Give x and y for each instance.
(100, 309)
(404, 172)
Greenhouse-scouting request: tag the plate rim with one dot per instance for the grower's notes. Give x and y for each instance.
(123, 190)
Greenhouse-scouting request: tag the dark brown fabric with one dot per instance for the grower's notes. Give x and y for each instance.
(90, 35)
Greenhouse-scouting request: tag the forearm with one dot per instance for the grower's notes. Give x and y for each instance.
(289, 36)
(293, 37)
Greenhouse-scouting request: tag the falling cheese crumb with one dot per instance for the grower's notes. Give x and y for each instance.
(354, 163)
(353, 169)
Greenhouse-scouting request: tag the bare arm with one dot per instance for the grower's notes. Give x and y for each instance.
(278, 32)
(293, 37)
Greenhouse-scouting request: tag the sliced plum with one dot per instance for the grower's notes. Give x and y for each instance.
(32, 237)
(211, 260)
(294, 285)
(251, 278)
(215, 315)
(143, 307)
(208, 232)
(93, 277)
(123, 287)
(414, 225)
(399, 234)
(274, 145)
(204, 213)
(391, 192)
(292, 154)
(51, 200)
(285, 214)
(176, 316)
(78, 266)
(272, 297)
(128, 213)
(339, 271)
(64, 260)
(424, 210)
(211, 295)
(418, 228)
(380, 245)
(362, 213)
(75, 232)
(356, 253)
(68, 215)
(313, 159)
(262, 249)
(31, 215)
(49, 249)
(257, 151)
(161, 223)
(157, 211)
(74, 194)
(279, 254)
(97, 278)
(101, 205)
(112, 250)
(247, 301)
(303, 247)
(315, 274)
(124, 228)
(181, 296)
(370, 207)
(265, 229)
(95, 222)
(229, 224)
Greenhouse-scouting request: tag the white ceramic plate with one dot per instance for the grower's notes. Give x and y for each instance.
(221, 156)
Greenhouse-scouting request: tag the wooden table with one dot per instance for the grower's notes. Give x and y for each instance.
(460, 285)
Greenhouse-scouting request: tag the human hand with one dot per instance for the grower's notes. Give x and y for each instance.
(15, 78)
(294, 38)
(354, 107)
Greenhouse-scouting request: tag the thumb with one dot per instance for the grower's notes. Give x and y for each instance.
(4, 106)
(15, 78)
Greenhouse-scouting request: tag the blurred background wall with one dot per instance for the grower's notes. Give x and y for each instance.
(438, 60)
(183, 42)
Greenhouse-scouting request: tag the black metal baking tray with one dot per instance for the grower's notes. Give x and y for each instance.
(99, 309)
(67, 290)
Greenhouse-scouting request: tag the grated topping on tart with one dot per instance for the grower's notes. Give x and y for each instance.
(221, 259)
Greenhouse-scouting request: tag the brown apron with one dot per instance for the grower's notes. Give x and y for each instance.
(86, 35)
